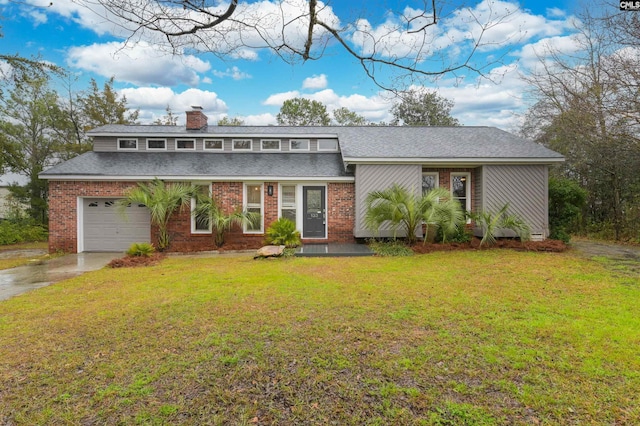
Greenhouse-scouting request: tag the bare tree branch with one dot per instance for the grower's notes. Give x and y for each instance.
(411, 45)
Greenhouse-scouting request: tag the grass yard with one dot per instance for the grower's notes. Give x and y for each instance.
(465, 338)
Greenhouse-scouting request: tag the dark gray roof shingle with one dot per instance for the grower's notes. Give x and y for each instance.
(362, 142)
(201, 164)
(437, 143)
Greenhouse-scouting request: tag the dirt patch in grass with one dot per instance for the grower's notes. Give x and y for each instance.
(552, 246)
(15, 255)
(623, 259)
(134, 261)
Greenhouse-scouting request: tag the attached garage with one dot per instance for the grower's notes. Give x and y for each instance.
(105, 228)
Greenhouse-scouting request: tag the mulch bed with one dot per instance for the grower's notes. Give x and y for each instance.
(553, 246)
(131, 261)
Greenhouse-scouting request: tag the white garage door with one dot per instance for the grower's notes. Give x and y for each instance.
(106, 229)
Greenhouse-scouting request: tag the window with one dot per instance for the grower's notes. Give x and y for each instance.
(429, 181)
(288, 202)
(461, 189)
(327, 145)
(213, 145)
(253, 204)
(127, 144)
(299, 145)
(270, 144)
(242, 145)
(200, 223)
(159, 144)
(186, 144)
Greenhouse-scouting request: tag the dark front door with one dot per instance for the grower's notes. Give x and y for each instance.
(314, 212)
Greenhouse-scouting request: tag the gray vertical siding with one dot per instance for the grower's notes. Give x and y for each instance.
(376, 177)
(105, 144)
(524, 187)
(478, 191)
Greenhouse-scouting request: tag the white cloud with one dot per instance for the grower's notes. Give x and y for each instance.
(140, 64)
(38, 16)
(492, 24)
(554, 12)
(278, 99)
(315, 82)
(153, 101)
(255, 24)
(530, 54)
(233, 72)
(260, 120)
(375, 108)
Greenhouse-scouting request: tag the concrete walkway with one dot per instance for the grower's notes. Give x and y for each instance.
(39, 274)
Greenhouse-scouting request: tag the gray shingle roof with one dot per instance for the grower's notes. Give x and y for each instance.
(379, 142)
(201, 164)
(438, 143)
(361, 143)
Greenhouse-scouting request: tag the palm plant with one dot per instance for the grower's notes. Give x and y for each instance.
(441, 211)
(207, 207)
(283, 232)
(162, 200)
(406, 211)
(490, 223)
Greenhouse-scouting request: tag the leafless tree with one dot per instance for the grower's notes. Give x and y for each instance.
(588, 109)
(413, 43)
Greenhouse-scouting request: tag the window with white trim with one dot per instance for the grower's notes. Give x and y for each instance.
(185, 144)
(213, 145)
(299, 145)
(270, 144)
(127, 144)
(253, 204)
(200, 224)
(288, 204)
(242, 145)
(156, 144)
(461, 189)
(429, 181)
(327, 145)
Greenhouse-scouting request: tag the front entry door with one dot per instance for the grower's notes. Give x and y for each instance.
(315, 213)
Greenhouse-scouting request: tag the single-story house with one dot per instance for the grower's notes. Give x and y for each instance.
(318, 177)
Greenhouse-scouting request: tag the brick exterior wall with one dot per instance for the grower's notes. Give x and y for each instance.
(63, 213)
(63, 209)
(341, 218)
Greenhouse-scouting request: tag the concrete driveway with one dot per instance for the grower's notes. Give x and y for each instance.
(39, 274)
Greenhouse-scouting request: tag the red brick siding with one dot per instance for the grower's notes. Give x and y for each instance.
(63, 214)
(63, 209)
(341, 212)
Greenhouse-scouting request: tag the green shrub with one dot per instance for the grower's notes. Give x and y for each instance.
(462, 234)
(566, 200)
(141, 250)
(283, 232)
(20, 232)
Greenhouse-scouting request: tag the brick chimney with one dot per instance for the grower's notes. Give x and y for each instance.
(196, 120)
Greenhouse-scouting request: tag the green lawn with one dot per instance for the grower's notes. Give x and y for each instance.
(480, 337)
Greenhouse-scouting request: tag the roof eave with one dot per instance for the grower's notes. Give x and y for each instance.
(198, 178)
(210, 134)
(454, 161)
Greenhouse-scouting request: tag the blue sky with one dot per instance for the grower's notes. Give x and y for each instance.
(253, 83)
